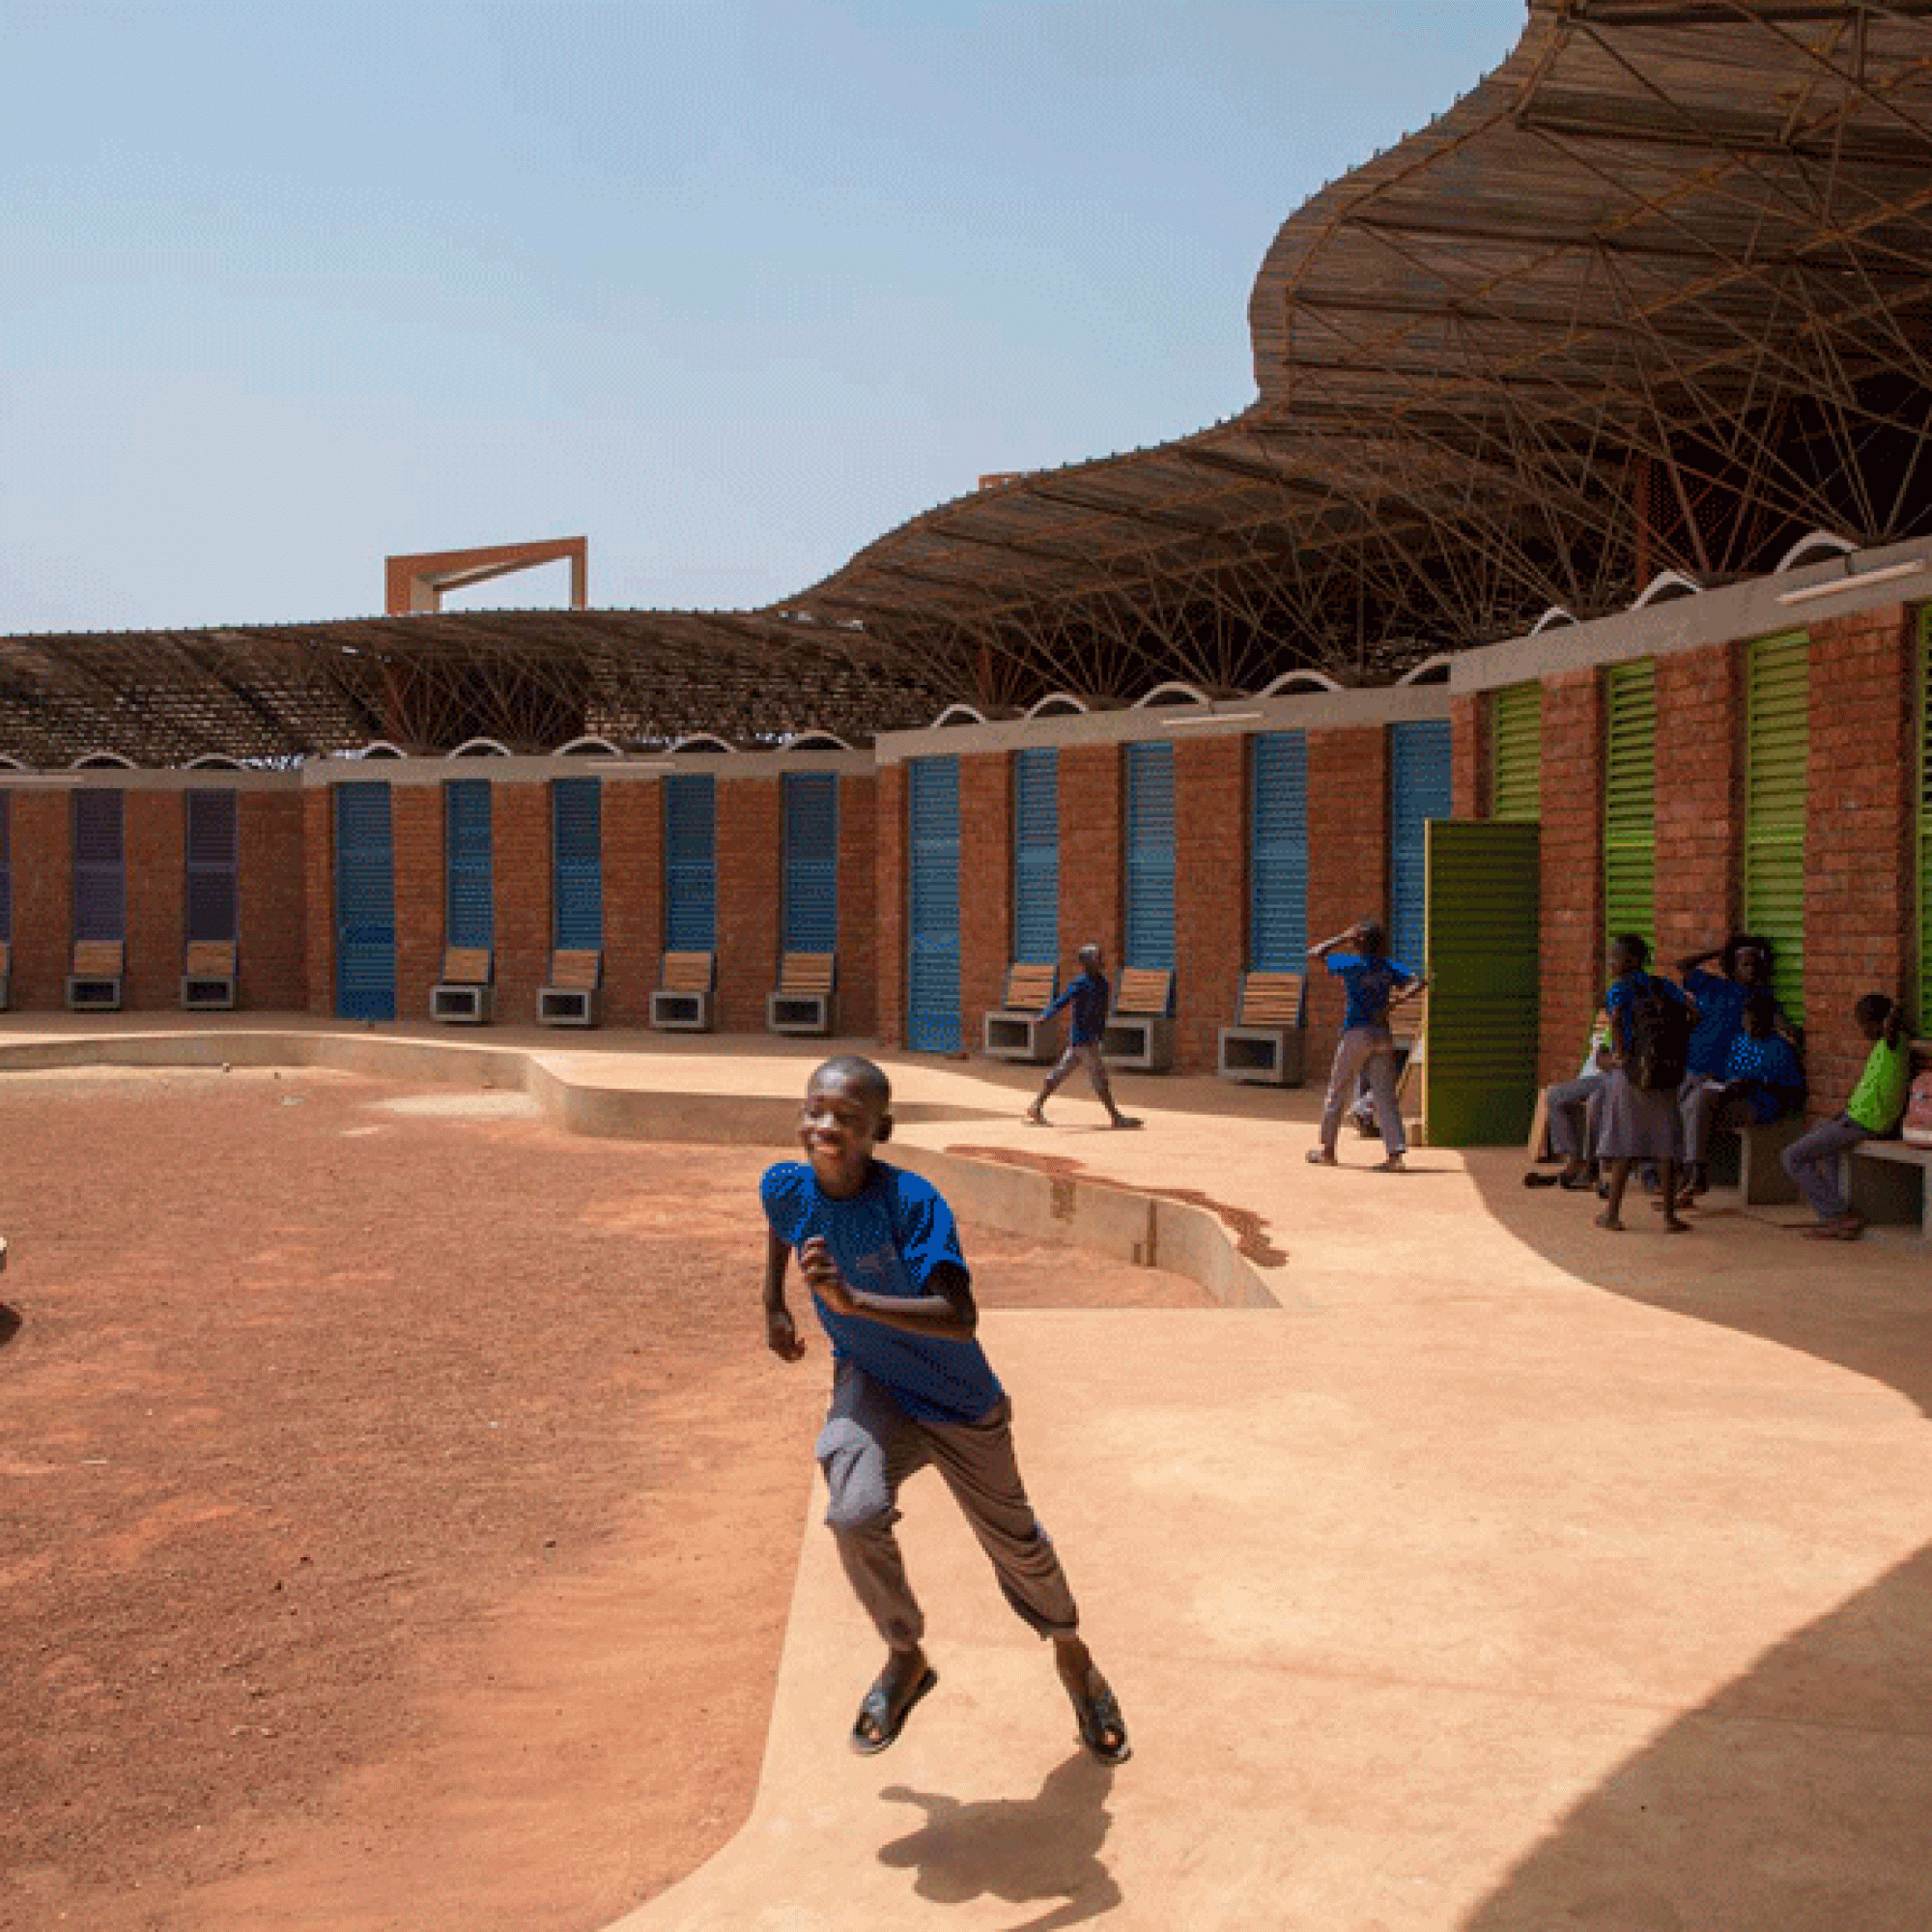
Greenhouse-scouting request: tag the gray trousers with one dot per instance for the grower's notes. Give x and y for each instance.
(1697, 1102)
(1370, 1048)
(1088, 1055)
(869, 1446)
(1812, 1161)
(1571, 1108)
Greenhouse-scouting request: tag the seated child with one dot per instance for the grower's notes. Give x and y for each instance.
(1874, 1109)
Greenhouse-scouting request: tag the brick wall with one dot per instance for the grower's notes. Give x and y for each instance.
(1859, 874)
(318, 824)
(1211, 866)
(416, 831)
(520, 835)
(1572, 971)
(1348, 860)
(985, 887)
(1092, 830)
(1469, 770)
(42, 862)
(891, 905)
(275, 913)
(633, 824)
(749, 868)
(858, 1002)
(155, 848)
(1699, 799)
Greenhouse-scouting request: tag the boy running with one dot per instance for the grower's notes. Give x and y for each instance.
(1373, 981)
(1090, 996)
(911, 1385)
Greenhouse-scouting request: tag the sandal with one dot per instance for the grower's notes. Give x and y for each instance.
(887, 1723)
(1099, 1715)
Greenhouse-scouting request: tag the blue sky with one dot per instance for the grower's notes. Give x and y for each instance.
(730, 289)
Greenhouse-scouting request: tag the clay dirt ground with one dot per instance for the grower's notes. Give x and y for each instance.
(398, 1508)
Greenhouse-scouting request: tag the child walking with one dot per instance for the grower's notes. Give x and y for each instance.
(1874, 1108)
(880, 1252)
(1089, 995)
(1371, 980)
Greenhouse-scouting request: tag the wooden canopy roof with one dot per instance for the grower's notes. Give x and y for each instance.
(1656, 294)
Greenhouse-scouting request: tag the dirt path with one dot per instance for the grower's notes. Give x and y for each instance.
(398, 1512)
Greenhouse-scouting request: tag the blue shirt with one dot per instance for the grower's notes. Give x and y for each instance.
(886, 1239)
(1369, 983)
(1768, 1071)
(1088, 996)
(1623, 995)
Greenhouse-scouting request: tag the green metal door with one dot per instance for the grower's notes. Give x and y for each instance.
(1479, 1056)
(1629, 799)
(1777, 751)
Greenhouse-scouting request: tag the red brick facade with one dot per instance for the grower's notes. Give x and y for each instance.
(415, 832)
(891, 924)
(985, 887)
(1211, 893)
(1699, 799)
(274, 908)
(633, 823)
(858, 938)
(748, 899)
(1092, 830)
(318, 823)
(1859, 912)
(520, 841)
(1348, 848)
(154, 829)
(42, 843)
(1470, 740)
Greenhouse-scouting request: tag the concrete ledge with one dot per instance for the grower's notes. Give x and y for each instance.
(1110, 1218)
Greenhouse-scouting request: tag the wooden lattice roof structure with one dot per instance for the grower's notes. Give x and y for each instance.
(1656, 295)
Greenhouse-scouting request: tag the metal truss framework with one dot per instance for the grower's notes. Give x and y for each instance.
(1656, 295)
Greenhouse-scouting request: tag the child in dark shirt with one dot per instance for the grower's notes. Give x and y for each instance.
(1089, 995)
(880, 1252)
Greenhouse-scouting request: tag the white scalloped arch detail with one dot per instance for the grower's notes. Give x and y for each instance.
(959, 714)
(1303, 679)
(818, 741)
(375, 748)
(702, 741)
(13, 765)
(1058, 704)
(1555, 614)
(588, 745)
(1666, 586)
(481, 748)
(1159, 699)
(1827, 542)
(103, 762)
(1431, 671)
(215, 762)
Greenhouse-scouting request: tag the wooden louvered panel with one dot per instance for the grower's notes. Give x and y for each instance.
(688, 972)
(1030, 986)
(99, 959)
(1144, 992)
(1272, 998)
(211, 960)
(806, 972)
(466, 966)
(574, 971)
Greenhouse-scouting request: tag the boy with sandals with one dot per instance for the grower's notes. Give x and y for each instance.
(880, 1252)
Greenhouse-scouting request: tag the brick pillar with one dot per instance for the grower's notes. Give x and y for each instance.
(416, 829)
(154, 843)
(891, 905)
(272, 901)
(1699, 799)
(859, 943)
(1211, 888)
(633, 823)
(1348, 861)
(520, 836)
(1092, 836)
(42, 862)
(1574, 973)
(318, 815)
(1859, 913)
(749, 888)
(986, 886)
(1469, 764)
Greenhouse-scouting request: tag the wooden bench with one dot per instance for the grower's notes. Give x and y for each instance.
(1014, 1031)
(99, 967)
(208, 975)
(802, 1000)
(1140, 1035)
(571, 999)
(684, 1002)
(1265, 1046)
(462, 996)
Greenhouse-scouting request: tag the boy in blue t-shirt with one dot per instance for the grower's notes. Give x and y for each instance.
(1090, 996)
(1371, 980)
(911, 1385)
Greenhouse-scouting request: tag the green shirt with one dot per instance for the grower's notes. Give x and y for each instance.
(1879, 1096)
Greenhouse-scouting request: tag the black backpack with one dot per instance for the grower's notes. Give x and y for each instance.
(1660, 1038)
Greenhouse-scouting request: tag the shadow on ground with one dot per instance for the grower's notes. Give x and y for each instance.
(1799, 1798)
(1024, 1850)
(10, 1323)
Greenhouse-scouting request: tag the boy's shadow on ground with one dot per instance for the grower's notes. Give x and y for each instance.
(10, 1323)
(1023, 1850)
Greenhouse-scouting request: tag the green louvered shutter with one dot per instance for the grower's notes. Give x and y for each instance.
(1778, 748)
(1036, 857)
(1629, 799)
(1516, 778)
(1924, 818)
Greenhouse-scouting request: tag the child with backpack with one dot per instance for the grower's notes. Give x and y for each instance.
(1650, 1024)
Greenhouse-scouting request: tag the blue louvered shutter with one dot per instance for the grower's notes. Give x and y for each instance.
(576, 863)
(1036, 857)
(690, 863)
(468, 910)
(810, 807)
(99, 866)
(932, 924)
(212, 866)
(1278, 853)
(1150, 856)
(7, 867)
(365, 904)
(1419, 790)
